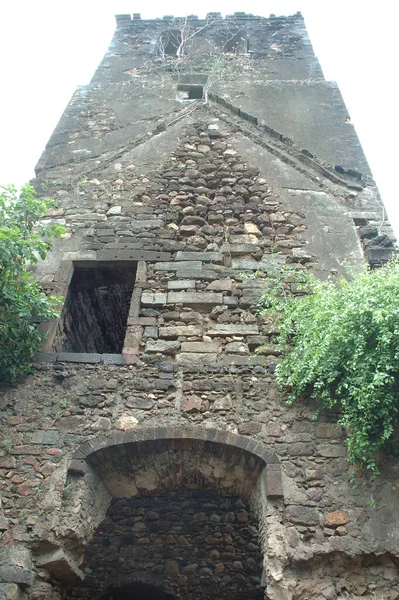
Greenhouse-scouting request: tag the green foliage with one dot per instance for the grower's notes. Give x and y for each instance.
(23, 241)
(340, 346)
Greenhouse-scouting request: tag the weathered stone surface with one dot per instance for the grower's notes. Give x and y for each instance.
(220, 285)
(138, 226)
(195, 358)
(200, 347)
(191, 404)
(249, 428)
(224, 403)
(336, 518)
(174, 266)
(195, 298)
(252, 229)
(140, 403)
(214, 257)
(180, 330)
(149, 299)
(181, 284)
(269, 263)
(232, 329)
(237, 348)
(302, 515)
(127, 422)
(162, 346)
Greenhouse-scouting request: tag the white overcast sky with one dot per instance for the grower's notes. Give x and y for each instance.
(49, 47)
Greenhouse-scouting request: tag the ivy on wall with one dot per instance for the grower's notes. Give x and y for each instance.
(340, 346)
(23, 241)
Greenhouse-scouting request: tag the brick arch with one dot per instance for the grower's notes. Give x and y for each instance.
(198, 440)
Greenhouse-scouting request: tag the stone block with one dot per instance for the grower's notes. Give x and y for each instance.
(60, 566)
(243, 239)
(177, 265)
(132, 254)
(162, 346)
(151, 332)
(256, 340)
(237, 348)
(336, 518)
(302, 515)
(201, 347)
(176, 331)
(330, 450)
(240, 249)
(79, 357)
(249, 428)
(181, 284)
(237, 360)
(220, 285)
(274, 484)
(137, 226)
(196, 358)
(50, 437)
(195, 298)
(230, 301)
(232, 329)
(252, 229)
(140, 403)
(112, 359)
(213, 257)
(224, 403)
(191, 404)
(193, 274)
(81, 255)
(328, 430)
(45, 357)
(151, 299)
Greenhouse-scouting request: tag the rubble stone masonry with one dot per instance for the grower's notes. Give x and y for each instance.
(150, 452)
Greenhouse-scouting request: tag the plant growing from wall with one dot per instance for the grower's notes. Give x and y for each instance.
(340, 347)
(23, 241)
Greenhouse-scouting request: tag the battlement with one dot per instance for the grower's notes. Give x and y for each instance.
(127, 20)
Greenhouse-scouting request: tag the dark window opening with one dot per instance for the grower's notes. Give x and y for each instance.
(97, 308)
(193, 92)
(137, 591)
(170, 42)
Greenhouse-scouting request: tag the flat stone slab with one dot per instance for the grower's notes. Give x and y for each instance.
(214, 257)
(181, 284)
(207, 298)
(200, 347)
(150, 299)
(178, 265)
(239, 249)
(176, 331)
(220, 285)
(163, 346)
(233, 329)
(78, 357)
(196, 358)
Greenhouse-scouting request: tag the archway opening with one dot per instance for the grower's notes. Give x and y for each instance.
(184, 543)
(185, 513)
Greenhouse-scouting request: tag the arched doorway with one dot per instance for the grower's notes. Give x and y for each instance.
(186, 516)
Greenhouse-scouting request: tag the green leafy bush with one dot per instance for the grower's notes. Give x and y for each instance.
(22, 303)
(340, 346)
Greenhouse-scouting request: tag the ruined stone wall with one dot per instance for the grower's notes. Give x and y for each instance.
(195, 196)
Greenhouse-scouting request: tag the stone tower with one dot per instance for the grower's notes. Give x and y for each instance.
(150, 453)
